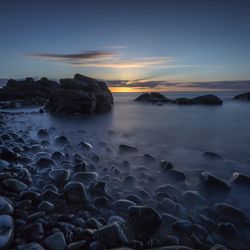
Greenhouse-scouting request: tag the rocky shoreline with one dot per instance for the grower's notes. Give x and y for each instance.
(78, 95)
(59, 195)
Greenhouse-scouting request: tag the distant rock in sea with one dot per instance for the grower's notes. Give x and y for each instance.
(153, 97)
(204, 99)
(82, 94)
(243, 97)
(159, 98)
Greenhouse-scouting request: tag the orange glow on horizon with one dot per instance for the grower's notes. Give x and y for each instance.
(167, 89)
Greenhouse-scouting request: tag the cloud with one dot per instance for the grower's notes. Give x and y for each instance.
(107, 59)
(76, 56)
(149, 84)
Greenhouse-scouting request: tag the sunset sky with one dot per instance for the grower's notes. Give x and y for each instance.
(134, 45)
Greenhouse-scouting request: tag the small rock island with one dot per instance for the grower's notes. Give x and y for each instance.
(155, 97)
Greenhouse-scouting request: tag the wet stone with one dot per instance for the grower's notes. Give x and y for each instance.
(192, 199)
(45, 162)
(75, 192)
(6, 231)
(135, 198)
(56, 242)
(42, 133)
(57, 156)
(33, 232)
(15, 185)
(181, 226)
(6, 206)
(212, 183)
(113, 235)
(36, 215)
(29, 195)
(122, 205)
(30, 246)
(98, 188)
(166, 166)
(85, 145)
(127, 148)
(130, 181)
(62, 140)
(218, 247)
(146, 221)
(229, 211)
(50, 195)
(101, 202)
(77, 245)
(46, 206)
(240, 180)
(6, 137)
(227, 229)
(80, 167)
(24, 204)
(149, 158)
(59, 176)
(85, 178)
(169, 189)
(176, 176)
(7, 154)
(212, 155)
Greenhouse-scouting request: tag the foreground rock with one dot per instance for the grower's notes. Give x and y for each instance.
(243, 97)
(146, 221)
(82, 95)
(6, 231)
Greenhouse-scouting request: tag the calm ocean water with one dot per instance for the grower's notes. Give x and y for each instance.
(179, 133)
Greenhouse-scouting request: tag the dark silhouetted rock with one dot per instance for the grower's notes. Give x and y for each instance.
(212, 183)
(153, 97)
(28, 92)
(127, 148)
(240, 180)
(82, 95)
(6, 231)
(230, 211)
(207, 99)
(243, 97)
(146, 221)
(204, 99)
(56, 241)
(113, 235)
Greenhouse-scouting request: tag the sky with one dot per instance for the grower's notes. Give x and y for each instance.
(134, 45)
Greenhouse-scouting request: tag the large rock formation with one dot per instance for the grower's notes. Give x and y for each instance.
(81, 94)
(159, 98)
(26, 93)
(243, 97)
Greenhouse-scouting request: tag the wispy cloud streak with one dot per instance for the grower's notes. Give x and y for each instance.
(217, 85)
(107, 59)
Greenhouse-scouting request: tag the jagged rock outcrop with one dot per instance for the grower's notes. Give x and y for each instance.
(243, 97)
(82, 95)
(26, 93)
